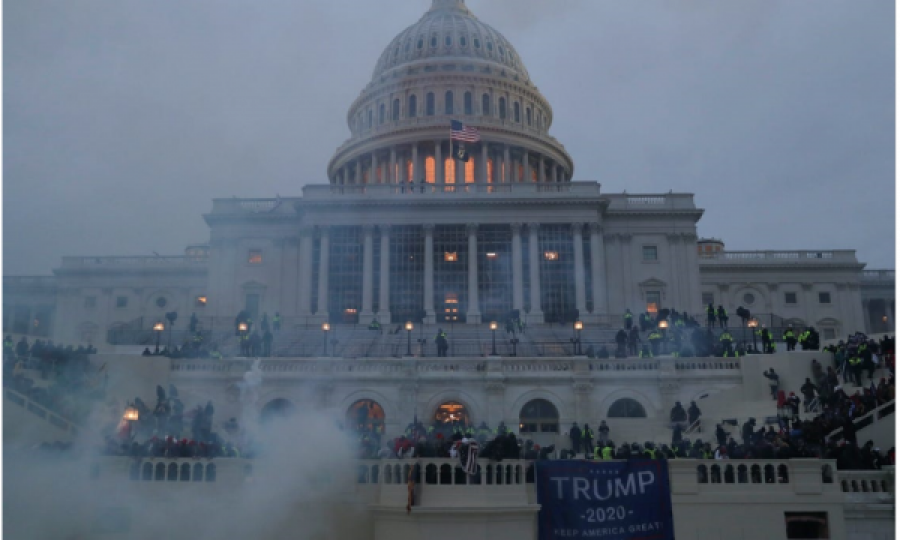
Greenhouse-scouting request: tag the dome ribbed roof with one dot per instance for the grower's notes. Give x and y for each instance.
(449, 31)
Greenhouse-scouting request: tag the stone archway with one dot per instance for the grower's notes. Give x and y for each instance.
(278, 408)
(365, 416)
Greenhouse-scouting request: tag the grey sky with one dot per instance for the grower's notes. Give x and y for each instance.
(123, 118)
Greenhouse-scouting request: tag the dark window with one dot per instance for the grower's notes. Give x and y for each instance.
(381, 114)
(749, 299)
(467, 103)
(448, 41)
(90, 302)
(824, 298)
(490, 46)
(161, 302)
(395, 110)
(502, 106)
(434, 41)
(790, 298)
(420, 43)
(708, 298)
(462, 41)
(448, 103)
(650, 253)
(557, 273)
(121, 301)
(539, 416)
(516, 115)
(429, 103)
(408, 45)
(477, 43)
(626, 408)
(485, 105)
(407, 268)
(411, 111)
(451, 263)
(345, 274)
(528, 115)
(806, 525)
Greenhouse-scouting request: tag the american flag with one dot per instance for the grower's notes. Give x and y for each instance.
(460, 132)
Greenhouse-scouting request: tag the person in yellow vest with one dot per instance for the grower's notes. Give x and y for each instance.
(726, 340)
(628, 320)
(855, 369)
(655, 338)
(790, 338)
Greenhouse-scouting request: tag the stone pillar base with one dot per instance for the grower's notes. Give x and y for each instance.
(430, 317)
(365, 318)
(473, 318)
(384, 317)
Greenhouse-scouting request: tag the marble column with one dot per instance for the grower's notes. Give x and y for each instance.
(324, 255)
(628, 281)
(416, 170)
(390, 175)
(554, 172)
(366, 314)
(306, 270)
(483, 169)
(384, 287)
(598, 270)
(542, 173)
(438, 164)
(373, 169)
(507, 165)
(536, 315)
(290, 277)
(518, 301)
(473, 314)
(429, 274)
(460, 167)
(526, 173)
(578, 244)
(359, 177)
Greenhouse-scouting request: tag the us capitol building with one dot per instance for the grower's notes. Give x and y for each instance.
(404, 232)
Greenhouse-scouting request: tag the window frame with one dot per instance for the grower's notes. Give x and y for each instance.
(121, 302)
(827, 297)
(253, 254)
(644, 252)
(788, 295)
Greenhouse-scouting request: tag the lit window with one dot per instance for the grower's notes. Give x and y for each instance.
(650, 253)
(450, 256)
(790, 298)
(429, 170)
(90, 302)
(824, 298)
(551, 255)
(449, 171)
(201, 301)
(653, 298)
(121, 301)
(255, 257)
(451, 298)
(491, 255)
(470, 171)
(350, 311)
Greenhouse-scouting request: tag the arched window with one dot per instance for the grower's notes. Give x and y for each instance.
(467, 103)
(381, 114)
(539, 416)
(452, 412)
(485, 105)
(277, 408)
(448, 41)
(626, 408)
(395, 110)
(365, 416)
(420, 43)
(370, 118)
(433, 41)
(449, 170)
(429, 169)
(470, 171)
(477, 43)
(429, 104)
(462, 41)
(448, 103)
(516, 115)
(502, 106)
(528, 115)
(411, 110)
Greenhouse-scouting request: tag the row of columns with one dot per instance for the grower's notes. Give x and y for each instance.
(473, 315)
(351, 173)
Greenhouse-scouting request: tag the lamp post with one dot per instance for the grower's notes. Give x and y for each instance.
(131, 415)
(493, 338)
(753, 324)
(409, 329)
(663, 325)
(158, 328)
(242, 330)
(325, 329)
(578, 326)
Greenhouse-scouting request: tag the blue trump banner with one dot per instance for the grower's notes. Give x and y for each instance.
(612, 500)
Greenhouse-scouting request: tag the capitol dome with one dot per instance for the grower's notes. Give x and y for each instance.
(449, 31)
(449, 66)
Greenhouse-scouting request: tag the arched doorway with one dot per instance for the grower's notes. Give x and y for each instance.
(365, 415)
(451, 414)
(626, 408)
(277, 408)
(539, 416)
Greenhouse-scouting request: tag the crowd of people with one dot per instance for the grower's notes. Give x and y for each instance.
(60, 378)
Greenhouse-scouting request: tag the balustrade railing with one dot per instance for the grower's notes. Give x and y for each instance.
(878, 275)
(161, 261)
(40, 411)
(799, 257)
(315, 192)
(868, 486)
(878, 414)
